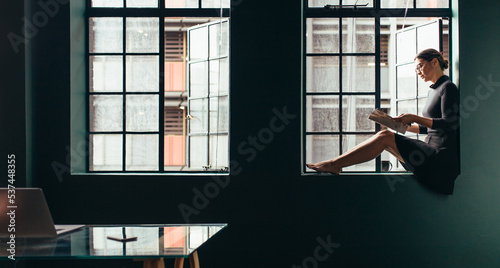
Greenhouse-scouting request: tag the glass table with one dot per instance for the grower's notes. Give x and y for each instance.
(148, 243)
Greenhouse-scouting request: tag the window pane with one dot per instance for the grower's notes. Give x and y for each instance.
(142, 152)
(322, 114)
(198, 44)
(198, 111)
(358, 35)
(352, 2)
(106, 73)
(396, 3)
(219, 74)
(107, 3)
(322, 35)
(406, 46)
(106, 152)
(142, 73)
(106, 35)
(142, 35)
(219, 114)
(432, 3)
(142, 3)
(198, 151)
(198, 79)
(219, 151)
(407, 107)
(321, 147)
(219, 43)
(181, 3)
(322, 74)
(142, 113)
(355, 112)
(358, 74)
(406, 81)
(350, 141)
(106, 113)
(428, 37)
(215, 3)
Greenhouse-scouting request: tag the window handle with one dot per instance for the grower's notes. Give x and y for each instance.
(189, 117)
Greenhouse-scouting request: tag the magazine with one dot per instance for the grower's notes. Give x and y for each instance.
(384, 119)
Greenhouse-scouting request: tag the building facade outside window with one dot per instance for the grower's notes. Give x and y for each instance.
(158, 86)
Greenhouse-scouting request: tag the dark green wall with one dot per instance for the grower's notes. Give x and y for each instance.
(276, 217)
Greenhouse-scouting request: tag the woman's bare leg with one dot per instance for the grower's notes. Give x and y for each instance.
(363, 152)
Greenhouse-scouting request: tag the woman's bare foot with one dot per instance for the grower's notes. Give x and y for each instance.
(325, 166)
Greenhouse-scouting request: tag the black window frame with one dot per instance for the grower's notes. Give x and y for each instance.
(377, 13)
(160, 12)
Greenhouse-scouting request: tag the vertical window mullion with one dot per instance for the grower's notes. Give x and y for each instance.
(341, 54)
(124, 94)
(161, 93)
(378, 89)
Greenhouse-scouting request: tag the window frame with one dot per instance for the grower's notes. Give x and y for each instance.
(160, 12)
(377, 13)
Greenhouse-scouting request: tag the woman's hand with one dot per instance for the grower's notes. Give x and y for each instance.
(406, 119)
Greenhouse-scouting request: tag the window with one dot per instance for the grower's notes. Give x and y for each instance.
(350, 68)
(158, 86)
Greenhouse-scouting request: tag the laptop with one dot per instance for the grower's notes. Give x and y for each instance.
(24, 213)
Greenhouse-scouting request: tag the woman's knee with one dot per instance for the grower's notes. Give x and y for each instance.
(385, 133)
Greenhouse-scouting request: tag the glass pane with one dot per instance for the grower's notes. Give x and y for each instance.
(215, 3)
(142, 35)
(142, 112)
(142, 152)
(428, 37)
(198, 79)
(106, 113)
(423, 87)
(396, 3)
(181, 3)
(219, 43)
(358, 35)
(406, 81)
(219, 151)
(106, 73)
(322, 3)
(107, 3)
(322, 35)
(355, 112)
(321, 147)
(142, 73)
(219, 75)
(406, 46)
(106, 152)
(142, 3)
(322, 74)
(198, 44)
(432, 3)
(219, 114)
(198, 151)
(105, 35)
(350, 141)
(198, 113)
(322, 114)
(406, 107)
(358, 74)
(352, 2)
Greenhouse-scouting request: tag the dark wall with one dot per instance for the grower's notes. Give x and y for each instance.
(276, 217)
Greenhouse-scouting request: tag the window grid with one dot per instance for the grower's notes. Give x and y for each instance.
(377, 13)
(160, 13)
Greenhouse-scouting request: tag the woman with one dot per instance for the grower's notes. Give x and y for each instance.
(434, 162)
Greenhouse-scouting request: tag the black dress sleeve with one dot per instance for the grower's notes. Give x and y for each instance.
(449, 109)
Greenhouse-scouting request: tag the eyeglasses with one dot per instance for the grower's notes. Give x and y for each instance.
(419, 66)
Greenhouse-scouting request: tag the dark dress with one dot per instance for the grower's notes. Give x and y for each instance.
(435, 162)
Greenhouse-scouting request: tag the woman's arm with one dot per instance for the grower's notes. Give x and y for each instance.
(414, 128)
(413, 118)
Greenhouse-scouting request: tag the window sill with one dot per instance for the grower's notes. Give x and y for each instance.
(147, 174)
